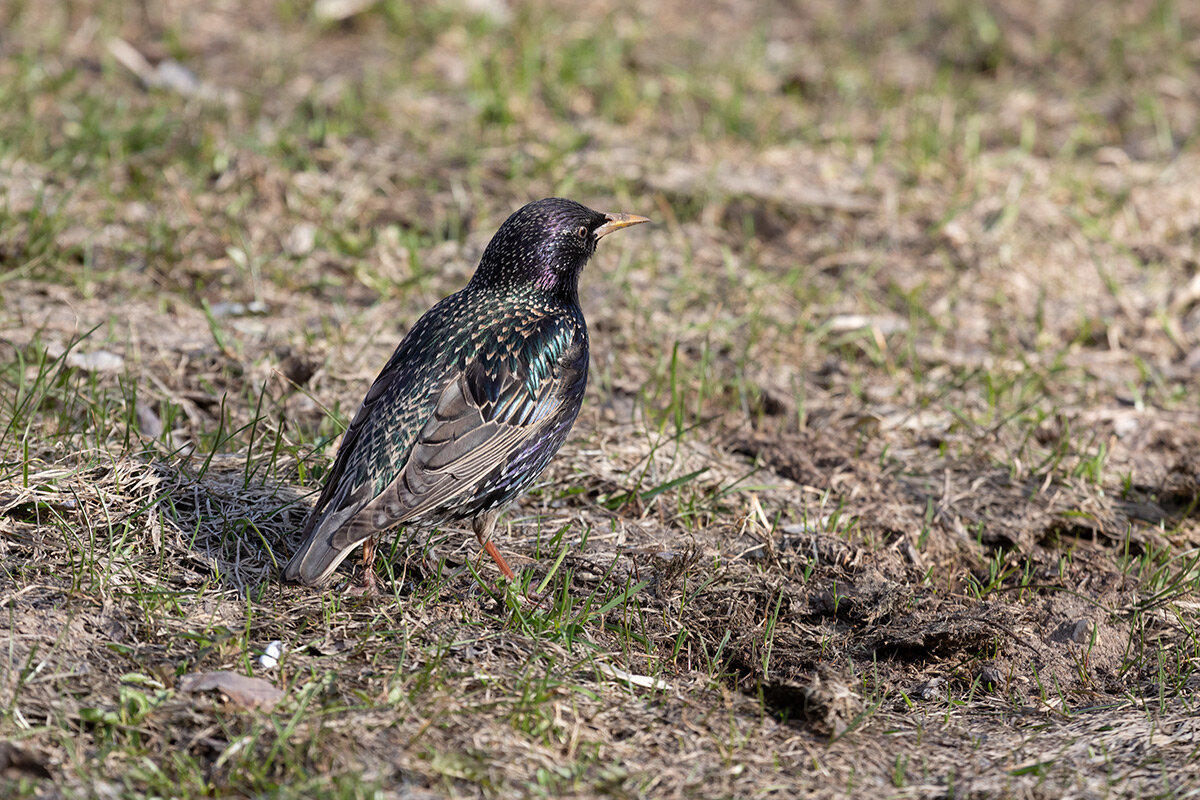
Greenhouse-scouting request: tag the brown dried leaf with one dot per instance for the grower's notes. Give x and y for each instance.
(242, 690)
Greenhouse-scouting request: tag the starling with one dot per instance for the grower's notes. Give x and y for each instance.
(475, 401)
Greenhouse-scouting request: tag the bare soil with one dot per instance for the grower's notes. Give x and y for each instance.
(940, 479)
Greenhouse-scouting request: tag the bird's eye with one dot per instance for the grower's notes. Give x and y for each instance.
(583, 232)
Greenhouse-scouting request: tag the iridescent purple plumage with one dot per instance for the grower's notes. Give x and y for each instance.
(475, 401)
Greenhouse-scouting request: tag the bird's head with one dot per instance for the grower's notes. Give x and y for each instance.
(546, 244)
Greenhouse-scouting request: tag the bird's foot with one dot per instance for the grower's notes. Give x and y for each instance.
(367, 586)
(537, 600)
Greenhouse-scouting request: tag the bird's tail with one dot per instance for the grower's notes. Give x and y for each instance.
(323, 548)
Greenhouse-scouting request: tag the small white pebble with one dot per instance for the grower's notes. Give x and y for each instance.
(270, 657)
(301, 240)
(96, 361)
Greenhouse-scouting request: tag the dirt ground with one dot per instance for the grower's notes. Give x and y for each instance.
(888, 477)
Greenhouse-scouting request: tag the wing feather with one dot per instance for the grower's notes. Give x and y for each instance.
(470, 433)
(485, 412)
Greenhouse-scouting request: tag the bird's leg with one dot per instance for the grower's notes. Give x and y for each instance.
(367, 586)
(484, 524)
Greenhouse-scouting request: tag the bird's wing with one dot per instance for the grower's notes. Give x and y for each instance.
(485, 411)
(491, 411)
(350, 484)
(374, 447)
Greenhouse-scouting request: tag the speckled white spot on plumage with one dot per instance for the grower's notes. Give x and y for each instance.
(518, 317)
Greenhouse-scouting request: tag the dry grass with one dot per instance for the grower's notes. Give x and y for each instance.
(886, 481)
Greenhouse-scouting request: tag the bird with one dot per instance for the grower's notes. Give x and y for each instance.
(475, 401)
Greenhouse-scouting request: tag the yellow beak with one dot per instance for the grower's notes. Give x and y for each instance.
(618, 221)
